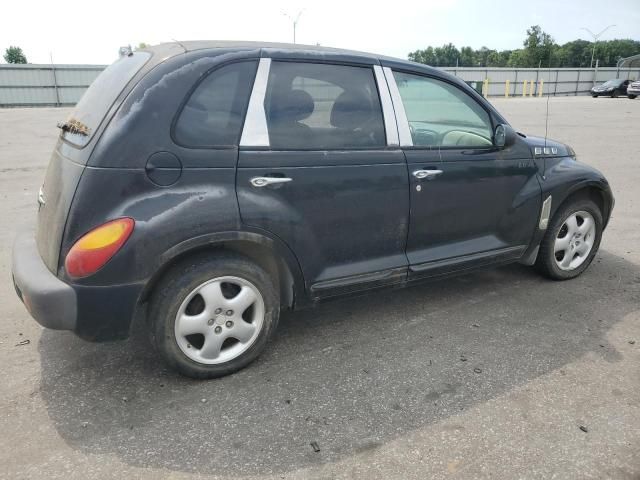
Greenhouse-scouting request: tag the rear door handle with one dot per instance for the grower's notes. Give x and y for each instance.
(426, 174)
(265, 181)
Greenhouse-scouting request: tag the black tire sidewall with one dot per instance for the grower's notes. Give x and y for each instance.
(546, 258)
(180, 282)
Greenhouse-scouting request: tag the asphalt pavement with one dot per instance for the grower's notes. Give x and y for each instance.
(499, 374)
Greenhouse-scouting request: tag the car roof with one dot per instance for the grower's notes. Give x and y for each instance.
(177, 47)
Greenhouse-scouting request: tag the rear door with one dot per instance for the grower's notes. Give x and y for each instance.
(471, 203)
(320, 168)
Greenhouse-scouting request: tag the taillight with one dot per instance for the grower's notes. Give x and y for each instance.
(95, 248)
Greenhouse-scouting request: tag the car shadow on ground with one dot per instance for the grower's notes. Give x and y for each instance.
(350, 375)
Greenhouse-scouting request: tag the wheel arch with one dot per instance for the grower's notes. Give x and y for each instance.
(591, 190)
(269, 253)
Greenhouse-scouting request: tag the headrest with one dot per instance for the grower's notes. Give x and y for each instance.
(351, 110)
(292, 106)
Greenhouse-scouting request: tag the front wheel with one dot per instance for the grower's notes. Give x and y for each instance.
(212, 316)
(571, 241)
(631, 96)
(594, 95)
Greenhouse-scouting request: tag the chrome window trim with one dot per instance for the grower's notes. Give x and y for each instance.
(404, 132)
(388, 114)
(254, 132)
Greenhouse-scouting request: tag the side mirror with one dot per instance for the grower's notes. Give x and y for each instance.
(504, 136)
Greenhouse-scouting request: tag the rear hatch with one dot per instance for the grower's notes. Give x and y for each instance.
(73, 150)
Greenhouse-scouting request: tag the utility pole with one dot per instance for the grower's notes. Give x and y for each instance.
(595, 36)
(294, 21)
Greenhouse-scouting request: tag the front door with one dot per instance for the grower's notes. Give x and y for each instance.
(471, 203)
(328, 183)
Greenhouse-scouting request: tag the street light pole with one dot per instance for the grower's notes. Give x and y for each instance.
(595, 36)
(294, 21)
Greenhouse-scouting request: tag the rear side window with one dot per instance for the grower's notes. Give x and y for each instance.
(214, 114)
(97, 100)
(317, 106)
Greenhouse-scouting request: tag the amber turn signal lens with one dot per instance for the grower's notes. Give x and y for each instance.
(96, 248)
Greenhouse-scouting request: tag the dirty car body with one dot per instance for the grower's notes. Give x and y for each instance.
(328, 202)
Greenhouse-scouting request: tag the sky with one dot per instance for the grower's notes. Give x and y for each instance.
(90, 32)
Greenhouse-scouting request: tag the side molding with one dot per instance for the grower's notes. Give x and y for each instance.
(545, 212)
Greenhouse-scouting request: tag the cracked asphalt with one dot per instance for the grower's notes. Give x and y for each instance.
(499, 374)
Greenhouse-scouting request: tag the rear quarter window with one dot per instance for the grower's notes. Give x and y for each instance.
(97, 100)
(214, 113)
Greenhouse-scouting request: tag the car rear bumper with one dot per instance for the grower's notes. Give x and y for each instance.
(50, 301)
(94, 313)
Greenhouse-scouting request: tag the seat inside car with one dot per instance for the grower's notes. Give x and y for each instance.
(287, 110)
(355, 119)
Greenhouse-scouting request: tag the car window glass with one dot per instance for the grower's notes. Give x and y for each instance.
(213, 115)
(441, 114)
(104, 90)
(319, 106)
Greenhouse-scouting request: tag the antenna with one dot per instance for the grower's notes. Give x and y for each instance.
(180, 43)
(546, 120)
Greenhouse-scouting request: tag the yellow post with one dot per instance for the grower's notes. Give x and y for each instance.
(540, 87)
(506, 89)
(485, 88)
(532, 87)
(524, 88)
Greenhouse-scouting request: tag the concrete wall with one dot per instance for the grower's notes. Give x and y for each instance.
(63, 85)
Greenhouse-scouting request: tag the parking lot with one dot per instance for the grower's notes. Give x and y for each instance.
(498, 374)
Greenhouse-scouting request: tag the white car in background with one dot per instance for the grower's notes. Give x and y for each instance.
(633, 90)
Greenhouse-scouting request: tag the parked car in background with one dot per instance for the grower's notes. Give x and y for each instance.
(633, 90)
(206, 186)
(611, 88)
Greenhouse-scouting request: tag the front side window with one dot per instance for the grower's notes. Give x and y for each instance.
(315, 106)
(213, 115)
(442, 115)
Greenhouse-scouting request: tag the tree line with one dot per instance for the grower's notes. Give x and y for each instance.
(540, 50)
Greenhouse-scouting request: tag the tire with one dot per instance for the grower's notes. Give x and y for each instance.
(614, 94)
(211, 297)
(550, 263)
(594, 96)
(631, 96)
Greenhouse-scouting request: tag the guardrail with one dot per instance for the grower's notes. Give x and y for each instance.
(33, 85)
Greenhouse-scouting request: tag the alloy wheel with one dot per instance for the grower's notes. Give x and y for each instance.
(574, 240)
(219, 320)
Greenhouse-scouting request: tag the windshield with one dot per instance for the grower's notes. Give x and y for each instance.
(96, 101)
(612, 83)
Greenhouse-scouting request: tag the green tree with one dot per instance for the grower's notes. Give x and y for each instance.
(574, 54)
(447, 55)
(498, 59)
(14, 55)
(142, 45)
(539, 48)
(467, 57)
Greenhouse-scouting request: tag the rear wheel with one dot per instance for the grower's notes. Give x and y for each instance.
(594, 95)
(213, 316)
(571, 241)
(631, 96)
